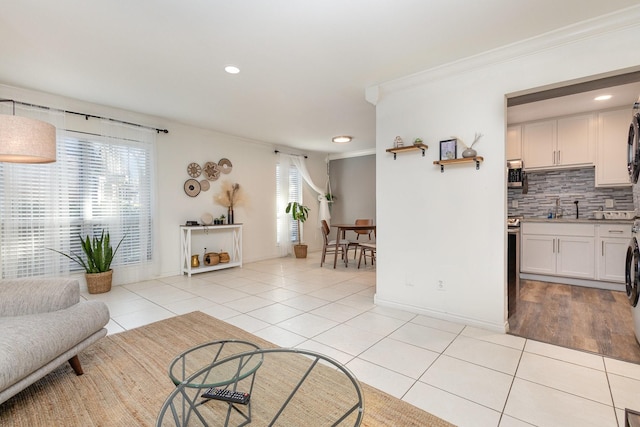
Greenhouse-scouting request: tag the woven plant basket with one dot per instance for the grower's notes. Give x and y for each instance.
(99, 283)
(224, 257)
(300, 251)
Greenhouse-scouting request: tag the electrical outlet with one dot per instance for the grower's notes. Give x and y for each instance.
(514, 203)
(440, 285)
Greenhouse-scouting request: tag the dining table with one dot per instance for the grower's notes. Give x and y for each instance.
(342, 229)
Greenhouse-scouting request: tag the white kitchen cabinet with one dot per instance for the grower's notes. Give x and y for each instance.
(539, 144)
(611, 149)
(538, 254)
(576, 140)
(514, 142)
(611, 247)
(558, 143)
(556, 249)
(575, 257)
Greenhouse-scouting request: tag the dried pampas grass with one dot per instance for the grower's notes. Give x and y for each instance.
(230, 195)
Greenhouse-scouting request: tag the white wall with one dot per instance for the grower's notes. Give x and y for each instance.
(253, 168)
(450, 226)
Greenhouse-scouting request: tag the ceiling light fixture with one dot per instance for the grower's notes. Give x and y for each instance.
(232, 69)
(26, 140)
(602, 97)
(341, 139)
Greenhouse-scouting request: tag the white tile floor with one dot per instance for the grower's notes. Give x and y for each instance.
(468, 376)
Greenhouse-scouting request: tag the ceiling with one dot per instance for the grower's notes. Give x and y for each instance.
(624, 95)
(304, 64)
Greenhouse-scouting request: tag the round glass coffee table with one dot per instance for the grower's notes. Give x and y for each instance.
(201, 356)
(283, 386)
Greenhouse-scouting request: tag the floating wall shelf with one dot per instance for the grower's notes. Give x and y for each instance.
(412, 147)
(475, 160)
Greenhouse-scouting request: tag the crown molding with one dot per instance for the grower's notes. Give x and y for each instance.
(359, 153)
(616, 21)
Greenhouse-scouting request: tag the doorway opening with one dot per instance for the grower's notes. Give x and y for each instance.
(583, 318)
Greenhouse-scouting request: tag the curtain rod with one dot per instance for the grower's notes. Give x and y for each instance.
(291, 154)
(86, 116)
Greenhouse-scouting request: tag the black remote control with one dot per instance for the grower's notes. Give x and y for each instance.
(227, 395)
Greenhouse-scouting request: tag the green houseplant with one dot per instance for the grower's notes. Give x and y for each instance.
(299, 213)
(98, 255)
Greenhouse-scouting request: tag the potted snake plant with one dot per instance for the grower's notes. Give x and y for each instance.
(98, 255)
(299, 213)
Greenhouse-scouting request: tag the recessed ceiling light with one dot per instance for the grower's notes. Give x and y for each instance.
(602, 97)
(232, 69)
(341, 139)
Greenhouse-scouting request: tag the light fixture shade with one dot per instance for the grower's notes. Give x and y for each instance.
(26, 140)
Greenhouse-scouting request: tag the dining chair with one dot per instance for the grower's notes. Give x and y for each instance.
(371, 249)
(356, 245)
(329, 246)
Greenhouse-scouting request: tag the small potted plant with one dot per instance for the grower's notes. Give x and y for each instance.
(299, 213)
(98, 255)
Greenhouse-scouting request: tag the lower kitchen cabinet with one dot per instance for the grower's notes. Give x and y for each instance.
(558, 250)
(612, 244)
(590, 252)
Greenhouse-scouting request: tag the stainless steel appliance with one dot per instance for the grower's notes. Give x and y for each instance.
(513, 263)
(632, 276)
(515, 173)
(633, 145)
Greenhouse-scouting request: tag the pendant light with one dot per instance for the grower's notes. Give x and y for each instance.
(26, 140)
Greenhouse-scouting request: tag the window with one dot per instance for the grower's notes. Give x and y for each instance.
(96, 183)
(292, 190)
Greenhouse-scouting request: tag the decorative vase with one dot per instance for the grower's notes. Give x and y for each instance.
(229, 216)
(195, 261)
(99, 283)
(469, 152)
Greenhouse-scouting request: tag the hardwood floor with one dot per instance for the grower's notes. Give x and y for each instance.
(581, 318)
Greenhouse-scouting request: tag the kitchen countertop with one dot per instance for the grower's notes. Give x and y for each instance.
(569, 220)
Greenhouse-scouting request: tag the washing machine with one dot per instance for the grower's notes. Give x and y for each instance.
(633, 146)
(632, 276)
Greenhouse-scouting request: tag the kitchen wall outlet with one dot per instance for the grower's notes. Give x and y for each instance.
(440, 285)
(514, 203)
(608, 203)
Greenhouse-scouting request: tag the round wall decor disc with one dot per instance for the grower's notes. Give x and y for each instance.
(211, 171)
(192, 187)
(225, 165)
(194, 170)
(204, 185)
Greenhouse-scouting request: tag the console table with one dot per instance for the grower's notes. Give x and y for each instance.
(216, 237)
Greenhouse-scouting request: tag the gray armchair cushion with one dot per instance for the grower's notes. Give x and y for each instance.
(43, 324)
(29, 342)
(29, 296)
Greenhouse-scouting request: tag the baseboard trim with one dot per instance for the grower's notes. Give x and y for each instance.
(609, 286)
(451, 317)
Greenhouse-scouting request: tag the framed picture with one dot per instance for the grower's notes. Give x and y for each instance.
(448, 149)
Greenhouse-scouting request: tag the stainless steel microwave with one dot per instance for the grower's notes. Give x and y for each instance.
(515, 177)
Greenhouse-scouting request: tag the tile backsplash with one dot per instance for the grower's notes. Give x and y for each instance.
(568, 185)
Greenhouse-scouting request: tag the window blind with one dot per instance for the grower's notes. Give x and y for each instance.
(97, 182)
(293, 194)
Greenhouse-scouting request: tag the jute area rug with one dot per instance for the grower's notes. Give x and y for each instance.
(126, 382)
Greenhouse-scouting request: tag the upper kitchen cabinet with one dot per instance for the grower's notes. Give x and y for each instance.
(611, 149)
(514, 142)
(559, 143)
